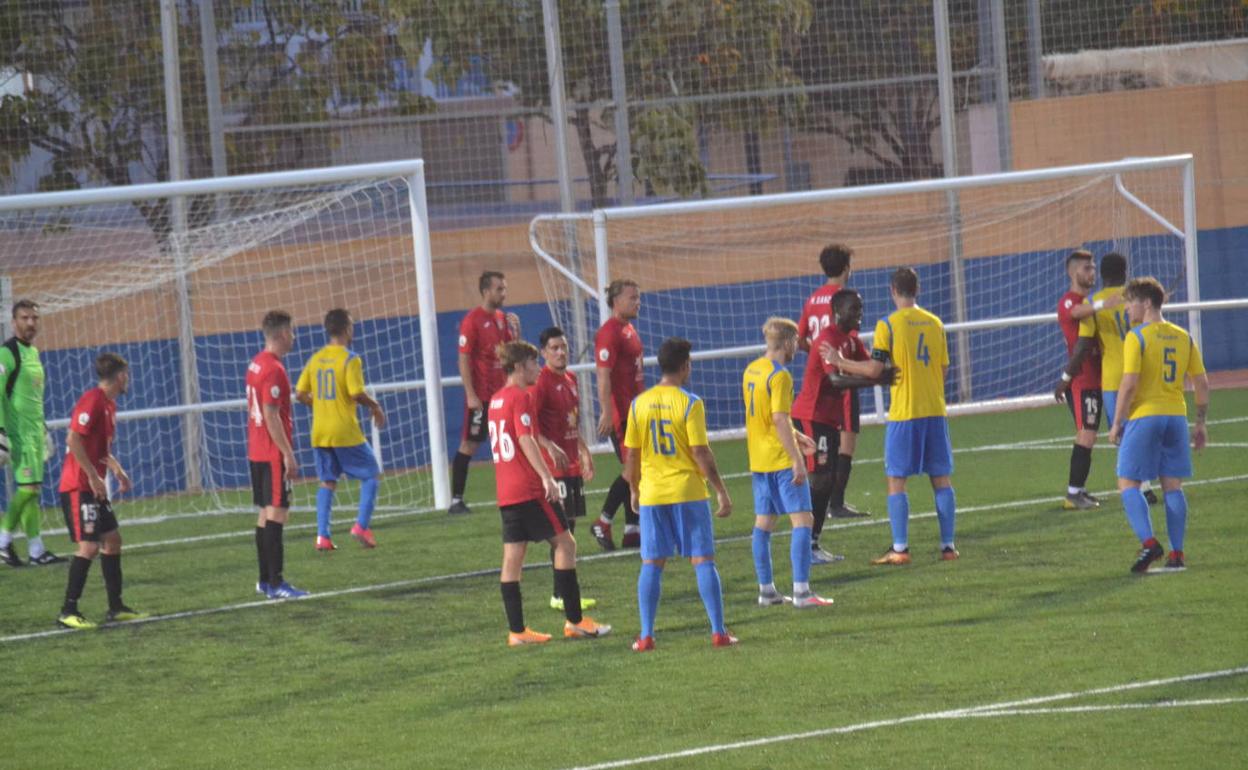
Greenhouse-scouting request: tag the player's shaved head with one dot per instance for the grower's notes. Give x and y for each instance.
(1078, 255)
(512, 354)
(25, 304)
(905, 282)
(674, 354)
(1148, 289)
(109, 365)
(1113, 269)
(779, 331)
(275, 322)
(834, 259)
(337, 322)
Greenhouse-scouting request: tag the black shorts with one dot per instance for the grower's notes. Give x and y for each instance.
(533, 521)
(87, 518)
(850, 420)
(1086, 405)
(475, 429)
(572, 492)
(269, 486)
(827, 445)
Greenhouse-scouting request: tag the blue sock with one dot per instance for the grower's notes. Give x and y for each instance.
(712, 594)
(1136, 507)
(762, 556)
(324, 504)
(649, 587)
(368, 501)
(799, 554)
(946, 514)
(899, 517)
(1176, 518)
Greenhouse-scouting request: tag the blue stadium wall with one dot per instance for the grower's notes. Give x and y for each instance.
(152, 449)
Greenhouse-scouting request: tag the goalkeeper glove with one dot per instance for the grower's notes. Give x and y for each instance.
(4, 448)
(49, 447)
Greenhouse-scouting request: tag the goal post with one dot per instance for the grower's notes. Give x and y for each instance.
(114, 268)
(714, 270)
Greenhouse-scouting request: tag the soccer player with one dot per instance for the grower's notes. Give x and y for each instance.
(332, 384)
(528, 499)
(23, 435)
(1151, 426)
(270, 452)
(668, 465)
(916, 439)
(777, 465)
(85, 501)
(483, 329)
(556, 403)
(1080, 385)
(617, 347)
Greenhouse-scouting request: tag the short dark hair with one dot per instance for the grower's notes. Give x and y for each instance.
(617, 287)
(841, 300)
(25, 304)
(512, 354)
(487, 279)
(337, 322)
(549, 334)
(905, 282)
(674, 354)
(1078, 255)
(109, 365)
(1113, 269)
(1147, 288)
(275, 321)
(834, 259)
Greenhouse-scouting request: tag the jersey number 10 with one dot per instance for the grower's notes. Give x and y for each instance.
(326, 385)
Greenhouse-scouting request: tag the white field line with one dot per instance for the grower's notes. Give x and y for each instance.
(536, 565)
(1116, 707)
(994, 709)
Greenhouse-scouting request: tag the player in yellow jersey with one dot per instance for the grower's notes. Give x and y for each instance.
(1151, 426)
(777, 465)
(916, 439)
(667, 468)
(332, 384)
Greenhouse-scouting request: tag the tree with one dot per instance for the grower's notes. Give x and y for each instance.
(675, 53)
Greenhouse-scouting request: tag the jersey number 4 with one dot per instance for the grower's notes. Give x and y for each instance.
(923, 353)
(253, 406)
(501, 445)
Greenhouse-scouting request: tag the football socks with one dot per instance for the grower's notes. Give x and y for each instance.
(110, 565)
(649, 587)
(1176, 518)
(712, 595)
(570, 590)
(261, 558)
(799, 554)
(459, 478)
(1136, 508)
(617, 495)
(324, 508)
(274, 553)
(762, 556)
(840, 479)
(899, 520)
(820, 494)
(946, 514)
(368, 501)
(78, 569)
(513, 606)
(23, 509)
(1080, 465)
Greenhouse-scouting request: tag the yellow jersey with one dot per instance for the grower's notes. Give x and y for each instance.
(334, 376)
(1112, 325)
(1162, 354)
(664, 422)
(767, 388)
(915, 341)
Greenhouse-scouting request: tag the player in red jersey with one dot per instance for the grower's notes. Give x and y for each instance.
(483, 329)
(85, 501)
(528, 499)
(817, 312)
(1082, 375)
(270, 451)
(556, 402)
(618, 351)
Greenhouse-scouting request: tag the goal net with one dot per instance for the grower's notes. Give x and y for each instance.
(177, 277)
(990, 247)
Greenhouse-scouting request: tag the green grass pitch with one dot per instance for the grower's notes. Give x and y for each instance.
(411, 668)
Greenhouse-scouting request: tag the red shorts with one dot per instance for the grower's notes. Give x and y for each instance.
(1085, 406)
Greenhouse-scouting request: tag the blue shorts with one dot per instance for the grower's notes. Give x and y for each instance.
(914, 447)
(357, 462)
(679, 528)
(1154, 447)
(1109, 400)
(775, 494)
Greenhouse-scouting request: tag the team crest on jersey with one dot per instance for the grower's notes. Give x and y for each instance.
(1068, 304)
(604, 354)
(525, 420)
(26, 474)
(275, 391)
(462, 340)
(84, 418)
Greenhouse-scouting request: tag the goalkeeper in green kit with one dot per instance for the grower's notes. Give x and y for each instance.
(23, 439)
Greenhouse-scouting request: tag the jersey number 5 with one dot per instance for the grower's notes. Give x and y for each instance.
(1172, 366)
(501, 445)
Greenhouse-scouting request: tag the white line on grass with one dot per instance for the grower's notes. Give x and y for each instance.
(538, 565)
(993, 709)
(1115, 707)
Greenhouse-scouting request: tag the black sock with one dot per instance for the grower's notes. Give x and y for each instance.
(110, 565)
(261, 557)
(1080, 465)
(571, 591)
(820, 493)
(513, 606)
(274, 552)
(78, 569)
(617, 495)
(554, 591)
(459, 474)
(840, 480)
